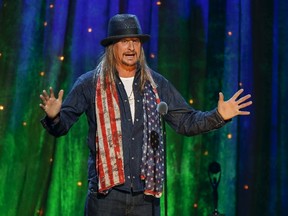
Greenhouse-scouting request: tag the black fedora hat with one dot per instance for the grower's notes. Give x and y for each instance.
(123, 26)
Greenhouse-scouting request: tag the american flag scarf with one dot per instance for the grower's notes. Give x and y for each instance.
(109, 157)
(152, 169)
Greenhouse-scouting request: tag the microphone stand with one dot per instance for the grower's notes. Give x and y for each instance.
(165, 165)
(215, 177)
(162, 109)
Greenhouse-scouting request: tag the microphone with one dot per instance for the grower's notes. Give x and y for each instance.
(162, 108)
(214, 167)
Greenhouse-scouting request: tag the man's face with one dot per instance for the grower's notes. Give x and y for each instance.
(127, 52)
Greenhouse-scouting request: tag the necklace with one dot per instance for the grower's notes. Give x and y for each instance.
(128, 85)
(131, 95)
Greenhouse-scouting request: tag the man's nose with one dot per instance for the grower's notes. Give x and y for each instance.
(131, 45)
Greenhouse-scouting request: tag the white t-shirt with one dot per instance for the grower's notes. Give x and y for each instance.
(128, 84)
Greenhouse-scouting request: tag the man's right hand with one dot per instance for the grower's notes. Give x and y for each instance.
(50, 104)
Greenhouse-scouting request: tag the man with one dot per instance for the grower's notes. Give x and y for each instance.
(120, 98)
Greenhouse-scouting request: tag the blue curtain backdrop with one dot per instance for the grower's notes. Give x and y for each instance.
(202, 47)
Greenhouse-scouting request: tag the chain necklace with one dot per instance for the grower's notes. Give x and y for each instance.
(131, 96)
(128, 85)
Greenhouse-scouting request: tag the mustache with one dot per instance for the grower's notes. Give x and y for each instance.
(129, 53)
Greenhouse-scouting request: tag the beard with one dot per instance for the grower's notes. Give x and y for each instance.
(129, 63)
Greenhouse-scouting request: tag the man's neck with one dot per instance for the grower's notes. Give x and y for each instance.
(126, 71)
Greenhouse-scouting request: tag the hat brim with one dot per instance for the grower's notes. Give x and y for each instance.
(110, 40)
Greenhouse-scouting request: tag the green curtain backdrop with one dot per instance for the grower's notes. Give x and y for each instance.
(202, 47)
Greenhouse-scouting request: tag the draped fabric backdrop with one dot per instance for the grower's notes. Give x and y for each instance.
(202, 47)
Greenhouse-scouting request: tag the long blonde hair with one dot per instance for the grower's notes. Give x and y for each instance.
(107, 66)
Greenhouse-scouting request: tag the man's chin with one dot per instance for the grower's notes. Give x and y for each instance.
(132, 64)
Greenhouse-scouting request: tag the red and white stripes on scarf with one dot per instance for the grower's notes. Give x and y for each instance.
(109, 157)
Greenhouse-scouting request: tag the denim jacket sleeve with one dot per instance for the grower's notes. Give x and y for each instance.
(182, 117)
(76, 103)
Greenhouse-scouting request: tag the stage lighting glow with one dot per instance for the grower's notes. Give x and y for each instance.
(229, 136)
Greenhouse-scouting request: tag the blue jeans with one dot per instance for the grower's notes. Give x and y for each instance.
(120, 203)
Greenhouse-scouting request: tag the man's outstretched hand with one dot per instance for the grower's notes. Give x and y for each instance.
(232, 107)
(50, 104)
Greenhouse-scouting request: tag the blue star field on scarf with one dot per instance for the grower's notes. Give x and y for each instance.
(152, 169)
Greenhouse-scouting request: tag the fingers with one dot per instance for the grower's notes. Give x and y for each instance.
(221, 97)
(237, 94)
(42, 106)
(45, 96)
(60, 94)
(51, 92)
(243, 105)
(42, 97)
(244, 113)
(242, 99)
